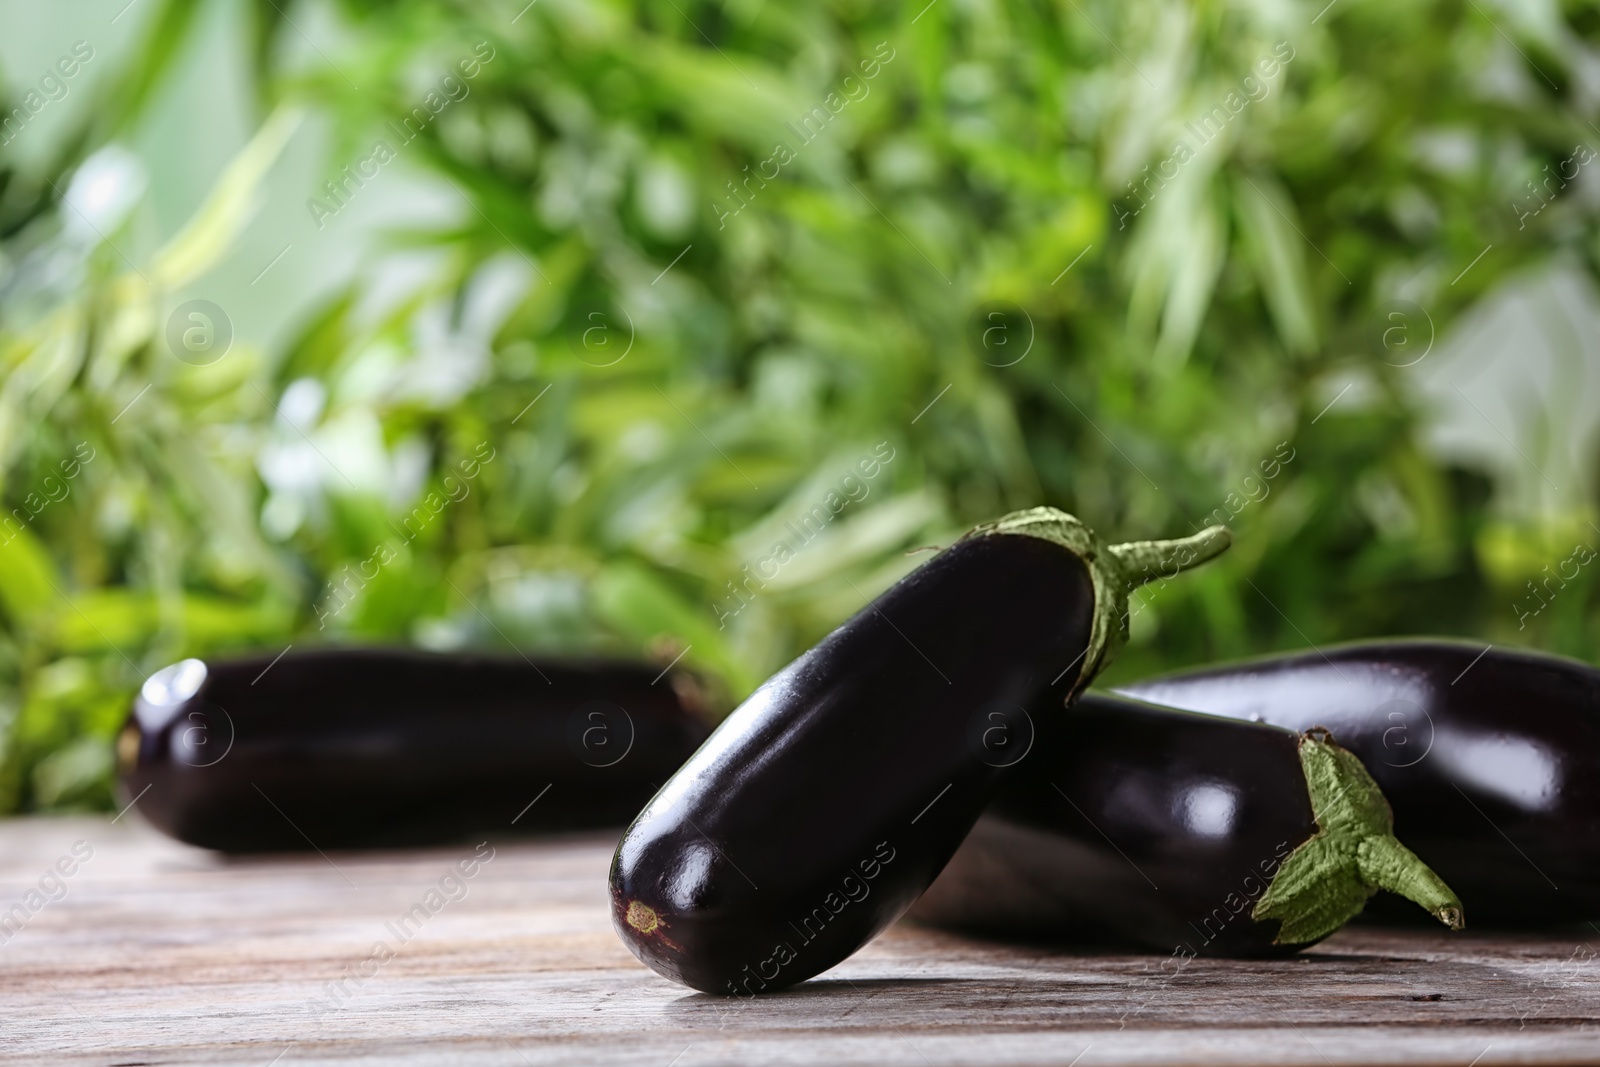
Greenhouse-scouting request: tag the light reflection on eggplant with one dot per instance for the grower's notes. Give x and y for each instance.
(1490, 758)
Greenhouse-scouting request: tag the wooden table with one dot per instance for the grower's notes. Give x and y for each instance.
(158, 953)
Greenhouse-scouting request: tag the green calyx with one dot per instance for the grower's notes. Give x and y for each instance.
(1326, 882)
(1115, 570)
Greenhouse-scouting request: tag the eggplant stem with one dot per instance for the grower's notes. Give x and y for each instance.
(1145, 561)
(1114, 571)
(1327, 880)
(1388, 864)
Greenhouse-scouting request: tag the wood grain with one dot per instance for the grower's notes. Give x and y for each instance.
(158, 953)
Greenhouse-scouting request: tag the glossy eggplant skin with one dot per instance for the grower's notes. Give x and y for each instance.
(1131, 823)
(821, 808)
(352, 748)
(1490, 759)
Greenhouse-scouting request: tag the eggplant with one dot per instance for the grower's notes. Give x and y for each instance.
(830, 799)
(1134, 823)
(1490, 756)
(370, 747)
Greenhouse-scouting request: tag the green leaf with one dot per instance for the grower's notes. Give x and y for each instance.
(29, 584)
(635, 602)
(118, 620)
(1279, 248)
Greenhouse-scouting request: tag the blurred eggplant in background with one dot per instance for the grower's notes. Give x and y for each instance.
(1490, 756)
(351, 748)
(1132, 823)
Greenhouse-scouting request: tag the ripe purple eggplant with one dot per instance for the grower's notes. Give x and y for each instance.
(1200, 835)
(1490, 756)
(829, 800)
(351, 748)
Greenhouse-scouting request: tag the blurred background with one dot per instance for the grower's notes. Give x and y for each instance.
(542, 325)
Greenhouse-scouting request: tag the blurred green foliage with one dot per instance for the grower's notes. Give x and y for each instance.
(651, 361)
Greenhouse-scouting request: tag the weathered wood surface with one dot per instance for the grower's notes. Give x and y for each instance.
(159, 953)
